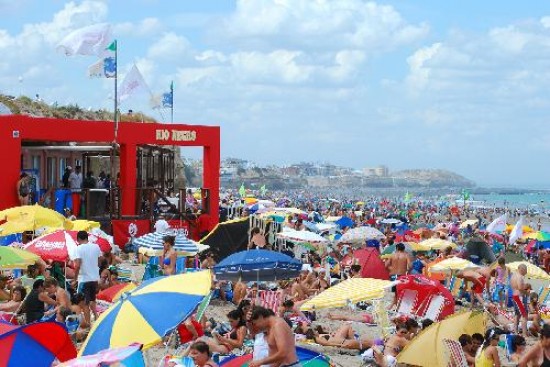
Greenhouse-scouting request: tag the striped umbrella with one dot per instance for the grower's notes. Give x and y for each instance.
(352, 290)
(151, 244)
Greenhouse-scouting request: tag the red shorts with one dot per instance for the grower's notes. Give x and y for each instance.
(477, 288)
(520, 307)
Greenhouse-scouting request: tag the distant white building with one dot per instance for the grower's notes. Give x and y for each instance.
(379, 171)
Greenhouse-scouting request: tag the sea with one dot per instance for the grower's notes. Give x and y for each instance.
(534, 201)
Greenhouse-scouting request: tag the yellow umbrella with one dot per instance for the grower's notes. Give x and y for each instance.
(352, 290)
(415, 246)
(83, 225)
(470, 222)
(14, 258)
(437, 244)
(452, 263)
(526, 229)
(427, 349)
(533, 271)
(250, 200)
(29, 218)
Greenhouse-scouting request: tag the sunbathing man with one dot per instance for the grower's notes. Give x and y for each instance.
(344, 337)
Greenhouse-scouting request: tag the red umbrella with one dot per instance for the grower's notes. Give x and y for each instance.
(407, 236)
(114, 292)
(61, 245)
(426, 288)
(372, 266)
(36, 344)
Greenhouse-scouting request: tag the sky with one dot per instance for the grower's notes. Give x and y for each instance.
(458, 84)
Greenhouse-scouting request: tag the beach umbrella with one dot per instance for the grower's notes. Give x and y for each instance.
(390, 221)
(348, 292)
(451, 264)
(30, 218)
(14, 258)
(533, 271)
(425, 289)
(228, 237)
(151, 244)
(372, 266)
(306, 357)
(257, 265)
(437, 244)
(61, 245)
(525, 229)
(540, 236)
(301, 236)
(344, 222)
(83, 225)
(128, 356)
(468, 222)
(360, 235)
(149, 312)
(37, 344)
(113, 293)
(427, 348)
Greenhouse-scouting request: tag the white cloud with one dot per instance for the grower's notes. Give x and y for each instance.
(170, 47)
(145, 28)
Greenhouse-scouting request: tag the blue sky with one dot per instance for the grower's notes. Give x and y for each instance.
(461, 85)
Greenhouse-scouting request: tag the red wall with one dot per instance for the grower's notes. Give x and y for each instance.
(15, 129)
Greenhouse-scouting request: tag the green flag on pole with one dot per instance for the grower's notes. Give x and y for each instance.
(263, 190)
(407, 196)
(465, 194)
(242, 190)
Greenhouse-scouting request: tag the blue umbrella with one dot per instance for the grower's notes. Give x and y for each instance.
(154, 242)
(344, 222)
(257, 265)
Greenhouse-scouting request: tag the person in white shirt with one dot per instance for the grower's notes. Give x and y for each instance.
(75, 179)
(87, 273)
(161, 225)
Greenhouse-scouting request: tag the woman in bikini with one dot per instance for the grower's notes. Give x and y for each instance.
(344, 337)
(538, 354)
(169, 256)
(231, 340)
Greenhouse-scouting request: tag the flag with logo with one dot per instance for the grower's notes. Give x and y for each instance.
(90, 40)
(465, 194)
(133, 82)
(263, 190)
(498, 225)
(106, 66)
(242, 191)
(408, 196)
(517, 232)
(168, 97)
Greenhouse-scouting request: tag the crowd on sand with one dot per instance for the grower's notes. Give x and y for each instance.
(45, 292)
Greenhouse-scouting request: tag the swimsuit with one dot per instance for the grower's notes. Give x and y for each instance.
(478, 289)
(519, 306)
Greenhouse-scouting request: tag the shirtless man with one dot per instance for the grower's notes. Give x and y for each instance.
(517, 282)
(479, 279)
(280, 339)
(399, 263)
(51, 286)
(239, 292)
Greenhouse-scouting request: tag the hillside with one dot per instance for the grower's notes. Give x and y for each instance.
(26, 106)
(434, 177)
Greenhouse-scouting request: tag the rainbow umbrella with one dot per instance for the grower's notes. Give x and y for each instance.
(14, 258)
(149, 312)
(113, 293)
(131, 356)
(37, 344)
(540, 236)
(308, 358)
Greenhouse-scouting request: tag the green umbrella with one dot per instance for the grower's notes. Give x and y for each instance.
(14, 258)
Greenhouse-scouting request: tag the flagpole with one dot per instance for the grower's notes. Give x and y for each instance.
(172, 107)
(116, 92)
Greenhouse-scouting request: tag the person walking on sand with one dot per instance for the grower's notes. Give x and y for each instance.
(280, 339)
(518, 291)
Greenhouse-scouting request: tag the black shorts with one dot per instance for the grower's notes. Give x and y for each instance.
(89, 290)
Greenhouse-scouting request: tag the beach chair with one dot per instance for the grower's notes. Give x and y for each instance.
(456, 287)
(152, 268)
(454, 353)
(270, 300)
(382, 318)
(434, 308)
(544, 295)
(407, 302)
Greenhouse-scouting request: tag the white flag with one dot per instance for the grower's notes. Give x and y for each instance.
(132, 83)
(90, 40)
(103, 68)
(497, 225)
(517, 232)
(96, 69)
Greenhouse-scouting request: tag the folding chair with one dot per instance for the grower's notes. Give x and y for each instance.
(456, 286)
(544, 295)
(270, 300)
(454, 353)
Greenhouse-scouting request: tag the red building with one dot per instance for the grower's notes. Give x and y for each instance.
(49, 145)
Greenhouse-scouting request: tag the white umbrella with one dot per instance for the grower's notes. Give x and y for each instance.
(390, 221)
(361, 235)
(301, 236)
